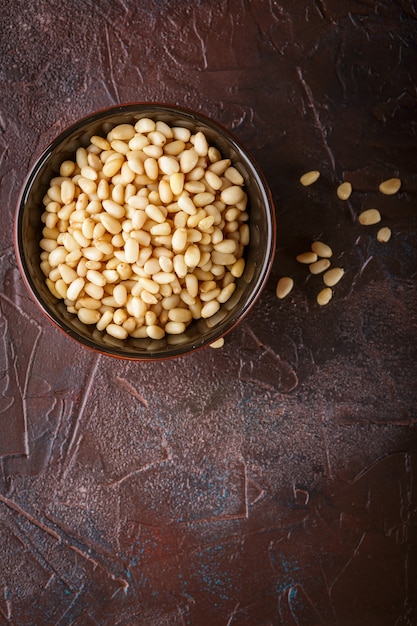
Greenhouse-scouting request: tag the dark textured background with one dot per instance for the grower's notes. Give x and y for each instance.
(272, 482)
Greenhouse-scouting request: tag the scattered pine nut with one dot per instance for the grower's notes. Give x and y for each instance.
(307, 257)
(319, 266)
(332, 276)
(284, 286)
(344, 190)
(322, 249)
(309, 178)
(384, 234)
(369, 217)
(390, 186)
(324, 296)
(219, 343)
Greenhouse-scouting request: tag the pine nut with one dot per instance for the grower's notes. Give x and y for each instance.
(186, 204)
(188, 160)
(369, 217)
(324, 296)
(116, 331)
(88, 316)
(226, 293)
(238, 268)
(344, 191)
(179, 315)
(332, 276)
(210, 308)
(309, 178)
(179, 240)
(75, 288)
(383, 235)
(94, 291)
(155, 332)
(111, 224)
(219, 343)
(232, 195)
(307, 258)
(67, 191)
(284, 286)
(175, 328)
(321, 249)
(192, 256)
(144, 231)
(67, 273)
(390, 186)
(176, 182)
(319, 266)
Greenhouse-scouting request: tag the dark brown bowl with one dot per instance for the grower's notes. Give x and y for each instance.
(258, 254)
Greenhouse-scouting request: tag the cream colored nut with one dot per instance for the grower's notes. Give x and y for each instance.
(155, 332)
(122, 131)
(226, 293)
(67, 191)
(390, 186)
(67, 273)
(324, 296)
(186, 204)
(344, 191)
(210, 308)
(226, 245)
(100, 142)
(116, 331)
(131, 250)
(105, 320)
(75, 288)
(179, 315)
(232, 195)
(237, 268)
(111, 224)
(88, 316)
(179, 240)
(332, 276)
(234, 176)
(67, 168)
(309, 178)
(219, 166)
(307, 257)
(192, 256)
(219, 343)
(96, 277)
(145, 125)
(168, 165)
(188, 160)
(383, 235)
(319, 266)
(57, 256)
(94, 291)
(322, 249)
(284, 286)
(175, 328)
(369, 217)
(151, 168)
(176, 182)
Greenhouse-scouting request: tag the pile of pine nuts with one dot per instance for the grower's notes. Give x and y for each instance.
(318, 257)
(145, 230)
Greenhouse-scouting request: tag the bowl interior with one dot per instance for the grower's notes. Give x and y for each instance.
(258, 255)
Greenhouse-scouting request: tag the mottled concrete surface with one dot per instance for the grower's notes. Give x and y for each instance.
(272, 482)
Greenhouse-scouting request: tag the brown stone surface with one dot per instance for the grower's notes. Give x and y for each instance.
(272, 482)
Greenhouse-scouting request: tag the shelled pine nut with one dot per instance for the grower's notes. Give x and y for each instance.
(137, 222)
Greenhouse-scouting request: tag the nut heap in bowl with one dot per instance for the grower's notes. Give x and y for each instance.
(145, 231)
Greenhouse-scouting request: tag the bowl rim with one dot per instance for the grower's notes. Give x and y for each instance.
(101, 114)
